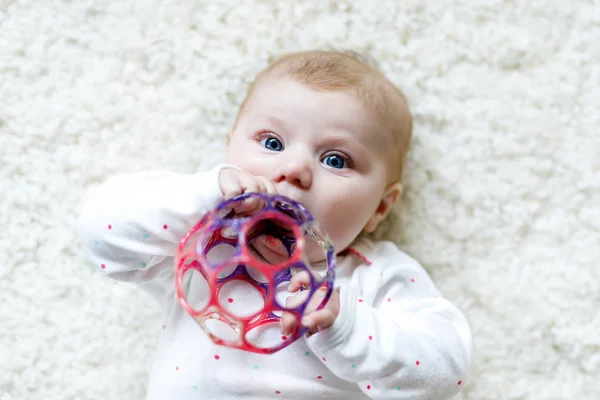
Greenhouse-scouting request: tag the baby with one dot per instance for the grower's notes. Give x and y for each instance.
(331, 132)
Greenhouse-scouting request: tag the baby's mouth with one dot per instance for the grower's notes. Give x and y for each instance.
(270, 249)
(273, 241)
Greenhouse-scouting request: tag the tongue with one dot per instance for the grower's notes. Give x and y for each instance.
(274, 244)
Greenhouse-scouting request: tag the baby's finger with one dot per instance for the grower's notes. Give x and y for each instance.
(260, 184)
(288, 320)
(288, 323)
(267, 186)
(316, 299)
(318, 320)
(299, 280)
(249, 184)
(230, 187)
(254, 185)
(296, 300)
(293, 302)
(254, 205)
(263, 186)
(246, 206)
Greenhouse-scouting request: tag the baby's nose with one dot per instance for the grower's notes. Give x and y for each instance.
(296, 171)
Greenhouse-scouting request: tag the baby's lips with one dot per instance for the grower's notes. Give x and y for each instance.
(269, 249)
(275, 244)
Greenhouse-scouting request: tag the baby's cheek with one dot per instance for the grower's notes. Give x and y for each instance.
(343, 230)
(342, 216)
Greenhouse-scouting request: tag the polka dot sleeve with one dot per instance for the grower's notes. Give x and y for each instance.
(133, 223)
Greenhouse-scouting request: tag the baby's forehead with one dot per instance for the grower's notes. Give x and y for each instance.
(347, 111)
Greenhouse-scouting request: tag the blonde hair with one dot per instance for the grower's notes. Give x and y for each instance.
(350, 73)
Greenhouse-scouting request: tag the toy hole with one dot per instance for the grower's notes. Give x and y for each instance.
(316, 244)
(224, 273)
(257, 275)
(195, 289)
(221, 328)
(266, 336)
(281, 295)
(219, 253)
(194, 243)
(271, 239)
(241, 298)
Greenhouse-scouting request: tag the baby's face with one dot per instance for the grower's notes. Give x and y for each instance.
(322, 149)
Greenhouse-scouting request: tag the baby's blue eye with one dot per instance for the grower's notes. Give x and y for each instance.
(335, 161)
(272, 144)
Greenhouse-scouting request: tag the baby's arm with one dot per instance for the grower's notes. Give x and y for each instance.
(395, 336)
(134, 222)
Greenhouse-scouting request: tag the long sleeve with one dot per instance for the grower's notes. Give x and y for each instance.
(395, 336)
(131, 225)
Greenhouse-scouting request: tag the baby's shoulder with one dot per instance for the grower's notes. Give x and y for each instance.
(382, 264)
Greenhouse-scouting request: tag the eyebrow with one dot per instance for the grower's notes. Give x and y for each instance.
(278, 123)
(343, 140)
(351, 143)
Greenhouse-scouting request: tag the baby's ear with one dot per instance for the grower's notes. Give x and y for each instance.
(389, 198)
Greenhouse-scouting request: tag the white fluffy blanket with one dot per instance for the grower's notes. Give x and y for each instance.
(503, 186)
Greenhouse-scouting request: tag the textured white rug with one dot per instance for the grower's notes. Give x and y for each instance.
(503, 196)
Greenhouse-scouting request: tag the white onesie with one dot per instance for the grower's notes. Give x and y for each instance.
(396, 337)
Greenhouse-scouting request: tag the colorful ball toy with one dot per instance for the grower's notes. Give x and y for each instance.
(233, 270)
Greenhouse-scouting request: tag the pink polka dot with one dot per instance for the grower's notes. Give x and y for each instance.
(217, 357)
(164, 327)
(165, 227)
(319, 377)
(418, 362)
(109, 226)
(230, 300)
(412, 280)
(324, 359)
(459, 382)
(277, 392)
(283, 337)
(370, 337)
(368, 387)
(360, 300)
(389, 299)
(102, 266)
(176, 368)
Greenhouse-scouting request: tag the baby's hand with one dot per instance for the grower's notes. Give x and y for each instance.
(234, 182)
(314, 320)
